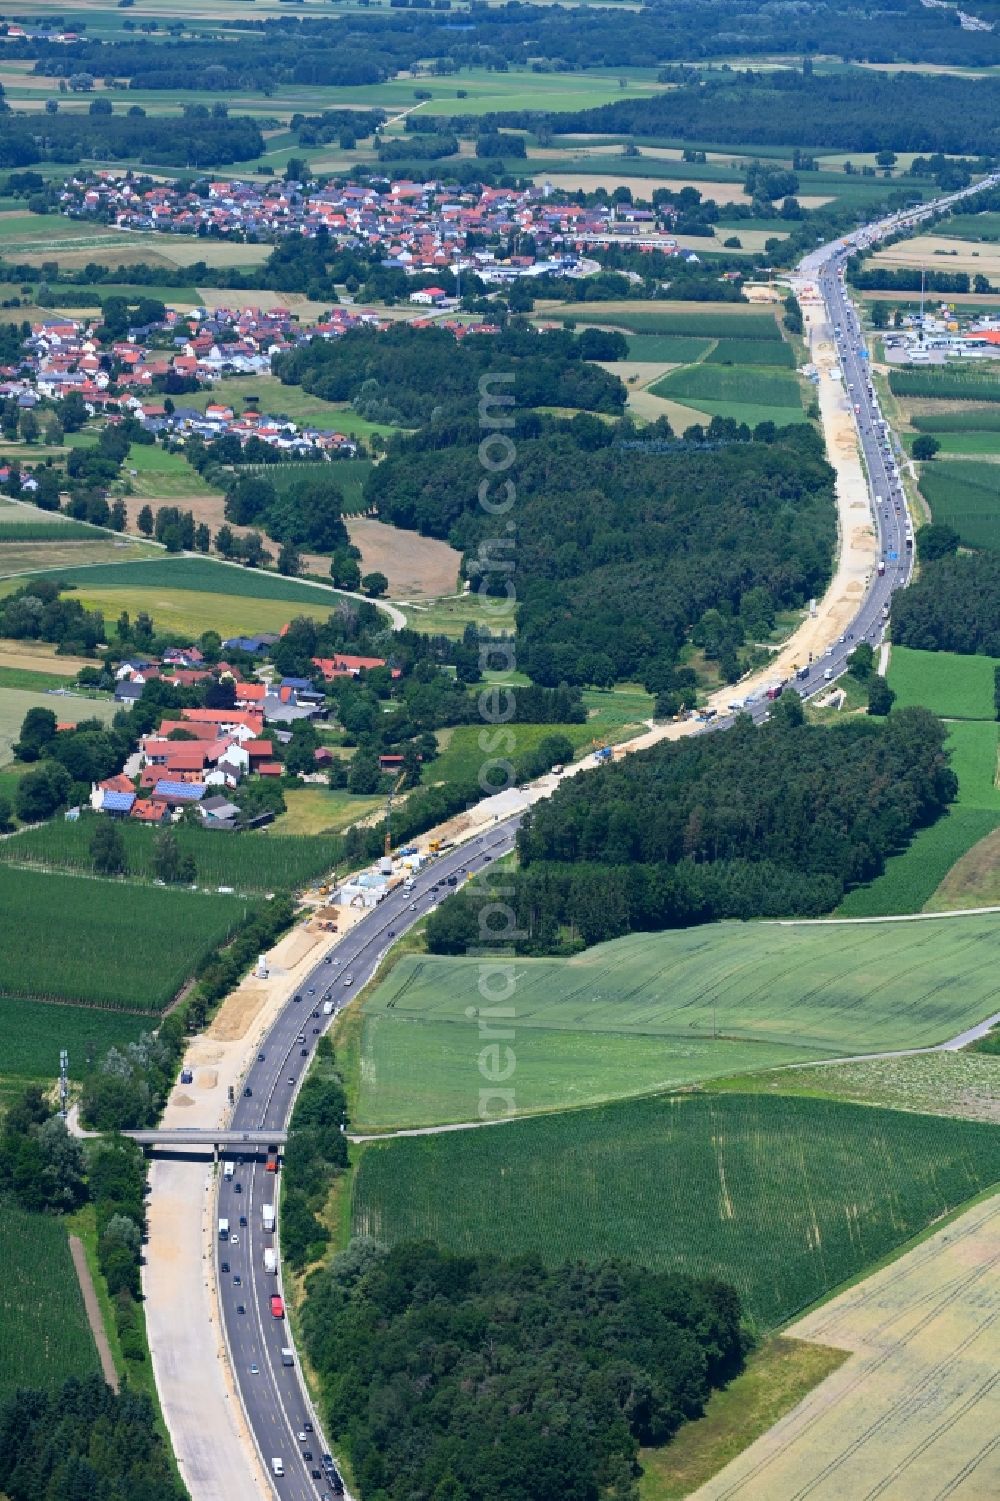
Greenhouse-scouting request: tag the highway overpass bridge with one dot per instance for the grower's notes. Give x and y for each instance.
(197, 1140)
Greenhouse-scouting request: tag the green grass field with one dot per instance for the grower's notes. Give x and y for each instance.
(960, 445)
(462, 755)
(202, 575)
(286, 401)
(953, 686)
(130, 948)
(972, 227)
(946, 384)
(644, 1012)
(157, 474)
(46, 1335)
(966, 496)
(667, 349)
(257, 862)
(784, 1198)
(16, 701)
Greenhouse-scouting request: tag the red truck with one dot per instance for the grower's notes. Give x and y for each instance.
(277, 1307)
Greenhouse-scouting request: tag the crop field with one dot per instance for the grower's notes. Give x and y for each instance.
(745, 394)
(953, 686)
(752, 352)
(44, 531)
(188, 612)
(462, 756)
(972, 226)
(15, 703)
(125, 947)
(966, 1085)
(54, 551)
(667, 349)
(916, 1410)
(346, 475)
(945, 384)
(742, 323)
(196, 574)
(33, 1032)
(782, 1197)
(46, 1335)
(654, 1011)
(973, 880)
(254, 862)
(910, 879)
(967, 497)
(968, 420)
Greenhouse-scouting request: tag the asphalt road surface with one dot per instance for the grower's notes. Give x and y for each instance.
(273, 1394)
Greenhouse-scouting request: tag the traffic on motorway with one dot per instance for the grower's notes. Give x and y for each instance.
(265, 1367)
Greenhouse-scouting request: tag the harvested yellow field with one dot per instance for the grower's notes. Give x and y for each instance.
(939, 253)
(914, 1415)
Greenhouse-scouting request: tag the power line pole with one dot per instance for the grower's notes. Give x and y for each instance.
(63, 1082)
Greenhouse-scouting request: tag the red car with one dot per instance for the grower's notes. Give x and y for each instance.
(277, 1307)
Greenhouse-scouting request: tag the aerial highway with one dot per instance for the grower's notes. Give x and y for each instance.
(272, 1393)
(293, 1452)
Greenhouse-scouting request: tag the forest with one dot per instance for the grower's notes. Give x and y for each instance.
(468, 1378)
(83, 1442)
(952, 605)
(408, 375)
(762, 821)
(625, 543)
(196, 138)
(853, 111)
(367, 48)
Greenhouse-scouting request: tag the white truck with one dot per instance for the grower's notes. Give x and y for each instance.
(327, 1008)
(270, 1260)
(228, 1168)
(267, 1211)
(223, 1229)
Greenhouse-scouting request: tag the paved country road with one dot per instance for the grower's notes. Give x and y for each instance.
(272, 1393)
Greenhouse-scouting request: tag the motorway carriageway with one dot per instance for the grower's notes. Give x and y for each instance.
(273, 1395)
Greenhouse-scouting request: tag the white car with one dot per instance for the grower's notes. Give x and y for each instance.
(348, 979)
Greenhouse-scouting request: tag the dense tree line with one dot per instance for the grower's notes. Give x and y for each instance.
(761, 821)
(83, 1441)
(315, 1154)
(468, 1378)
(624, 544)
(851, 111)
(359, 48)
(953, 605)
(408, 374)
(187, 140)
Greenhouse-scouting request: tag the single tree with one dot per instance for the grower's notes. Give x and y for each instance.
(107, 849)
(925, 446)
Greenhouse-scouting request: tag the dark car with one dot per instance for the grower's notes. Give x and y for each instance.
(296, 998)
(316, 1474)
(315, 1031)
(224, 1267)
(243, 1221)
(307, 1427)
(237, 1280)
(307, 1455)
(241, 1308)
(237, 1188)
(260, 1057)
(248, 1093)
(303, 1052)
(315, 1013)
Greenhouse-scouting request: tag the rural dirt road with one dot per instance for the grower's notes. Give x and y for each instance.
(93, 1311)
(914, 1415)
